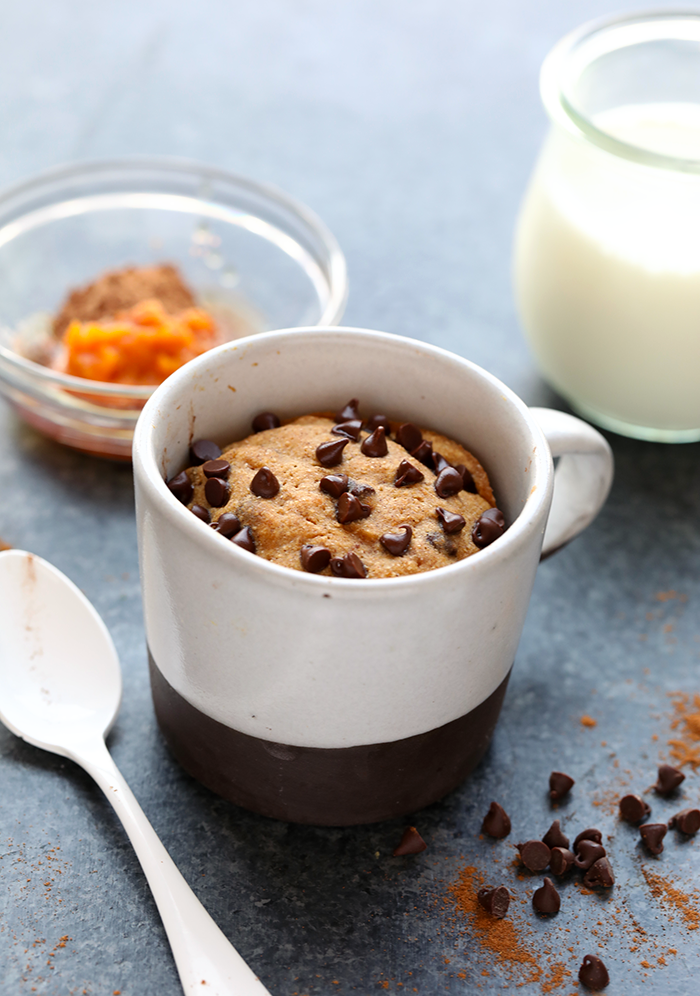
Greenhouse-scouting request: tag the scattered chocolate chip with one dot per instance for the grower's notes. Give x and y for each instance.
(559, 785)
(451, 522)
(546, 898)
(496, 823)
(245, 539)
(349, 566)
(555, 837)
(593, 974)
(669, 779)
(350, 412)
(217, 491)
(217, 468)
(409, 436)
(488, 527)
(561, 861)
(653, 836)
(181, 487)
(350, 509)
(600, 874)
(535, 855)
(634, 809)
(407, 474)
(468, 483)
(397, 543)
(266, 420)
(265, 484)
(201, 512)
(314, 558)
(439, 462)
(203, 450)
(350, 429)
(587, 853)
(360, 490)
(334, 484)
(494, 901)
(411, 843)
(375, 445)
(424, 453)
(330, 454)
(590, 834)
(448, 483)
(228, 524)
(375, 421)
(687, 821)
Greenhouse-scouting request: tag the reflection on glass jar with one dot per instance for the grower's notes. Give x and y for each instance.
(607, 247)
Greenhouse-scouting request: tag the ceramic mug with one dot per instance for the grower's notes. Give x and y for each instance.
(328, 700)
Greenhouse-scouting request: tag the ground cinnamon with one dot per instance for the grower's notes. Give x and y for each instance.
(685, 748)
(673, 898)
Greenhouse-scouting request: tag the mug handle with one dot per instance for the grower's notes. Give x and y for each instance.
(582, 478)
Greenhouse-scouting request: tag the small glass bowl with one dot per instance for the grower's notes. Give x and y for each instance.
(253, 256)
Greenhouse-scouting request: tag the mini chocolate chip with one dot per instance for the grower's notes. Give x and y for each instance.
(559, 785)
(496, 823)
(561, 861)
(439, 462)
(653, 836)
(203, 450)
(468, 483)
(634, 809)
(314, 558)
(587, 853)
(546, 898)
(424, 453)
(265, 484)
(266, 420)
(554, 836)
(687, 821)
(351, 429)
(488, 527)
(217, 491)
(375, 445)
(350, 412)
(397, 543)
(590, 834)
(334, 484)
(245, 539)
(407, 474)
(593, 974)
(360, 490)
(451, 522)
(216, 468)
(409, 436)
(599, 874)
(448, 483)
(201, 512)
(411, 843)
(330, 454)
(535, 855)
(181, 487)
(350, 509)
(349, 566)
(228, 524)
(375, 421)
(494, 901)
(669, 779)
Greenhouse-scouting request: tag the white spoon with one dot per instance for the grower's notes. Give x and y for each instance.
(60, 688)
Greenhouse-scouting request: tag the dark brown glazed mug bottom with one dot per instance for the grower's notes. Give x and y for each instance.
(324, 786)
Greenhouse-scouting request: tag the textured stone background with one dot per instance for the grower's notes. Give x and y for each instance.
(411, 129)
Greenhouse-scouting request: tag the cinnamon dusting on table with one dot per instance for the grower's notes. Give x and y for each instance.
(685, 747)
(673, 898)
(588, 721)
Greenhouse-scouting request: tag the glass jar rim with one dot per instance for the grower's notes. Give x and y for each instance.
(581, 47)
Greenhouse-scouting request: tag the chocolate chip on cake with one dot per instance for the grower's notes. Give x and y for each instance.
(409, 436)
(375, 445)
(652, 835)
(468, 483)
(216, 491)
(350, 509)
(633, 808)
(360, 490)
(687, 821)
(349, 429)
(227, 524)
(330, 454)
(555, 837)
(245, 539)
(181, 487)
(314, 558)
(448, 483)
(561, 861)
(216, 468)
(496, 823)
(590, 834)
(201, 512)
(451, 522)
(397, 543)
(546, 898)
(559, 785)
(439, 463)
(488, 528)
(411, 843)
(587, 852)
(669, 778)
(593, 974)
(350, 412)
(266, 420)
(535, 855)
(375, 421)
(265, 484)
(494, 901)
(349, 566)
(334, 484)
(599, 875)
(424, 454)
(203, 450)
(407, 474)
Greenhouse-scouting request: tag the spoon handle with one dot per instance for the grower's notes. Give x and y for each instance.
(206, 960)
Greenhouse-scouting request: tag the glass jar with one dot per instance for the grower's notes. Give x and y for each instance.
(607, 245)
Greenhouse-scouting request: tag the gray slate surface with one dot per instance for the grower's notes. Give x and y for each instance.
(411, 129)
